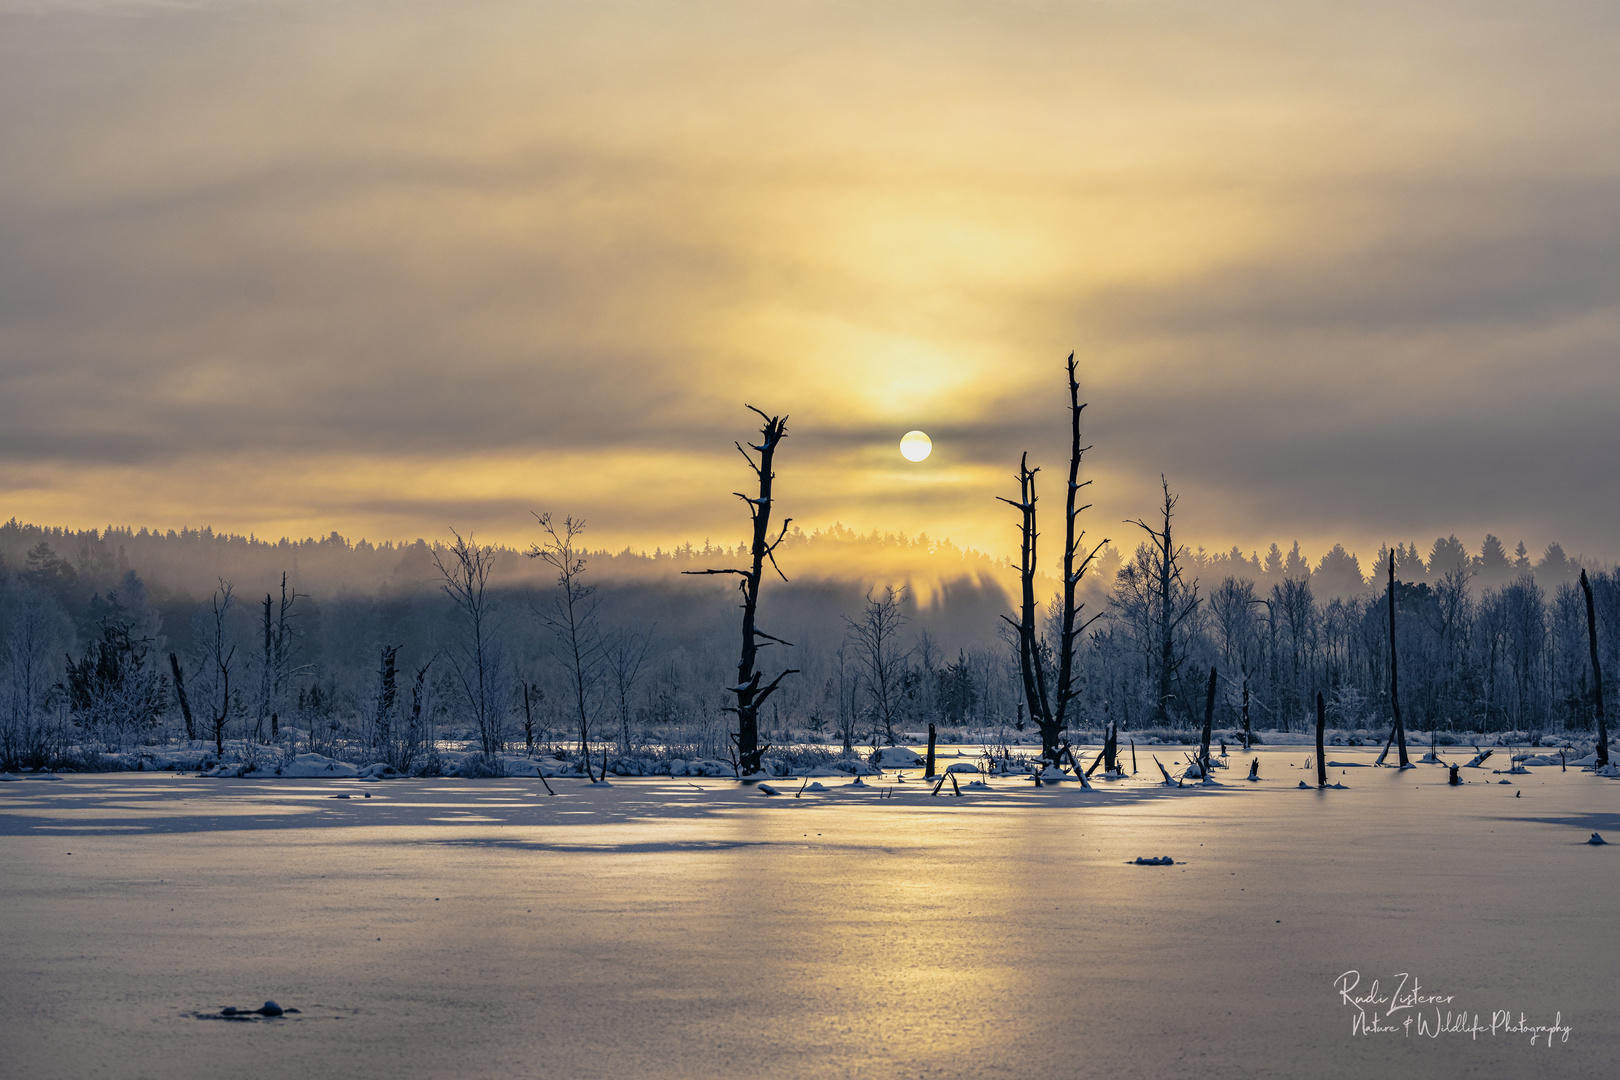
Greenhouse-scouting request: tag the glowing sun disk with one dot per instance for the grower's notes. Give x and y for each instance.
(915, 445)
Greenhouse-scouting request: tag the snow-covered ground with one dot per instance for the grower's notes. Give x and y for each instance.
(694, 927)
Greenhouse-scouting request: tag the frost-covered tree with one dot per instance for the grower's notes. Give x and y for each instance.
(875, 640)
(34, 633)
(570, 614)
(214, 634)
(475, 650)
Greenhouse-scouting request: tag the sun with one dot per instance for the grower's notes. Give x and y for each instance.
(916, 445)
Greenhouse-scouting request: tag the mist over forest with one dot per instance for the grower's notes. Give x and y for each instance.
(88, 619)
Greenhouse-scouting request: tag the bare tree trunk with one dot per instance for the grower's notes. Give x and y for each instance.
(928, 771)
(1245, 709)
(1209, 721)
(1071, 628)
(1394, 684)
(1031, 674)
(528, 722)
(1597, 675)
(750, 694)
(1030, 669)
(387, 694)
(1321, 731)
(180, 692)
(266, 673)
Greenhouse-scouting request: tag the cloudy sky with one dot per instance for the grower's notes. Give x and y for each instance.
(1339, 271)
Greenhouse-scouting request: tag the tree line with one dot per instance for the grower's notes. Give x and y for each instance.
(556, 649)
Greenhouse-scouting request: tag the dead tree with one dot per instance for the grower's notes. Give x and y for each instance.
(275, 668)
(1321, 731)
(385, 705)
(1071, 626)
(531, 694)
(219, 655)
(1597, 675)
(1246, 734)
(1052, 718)
(751, 695)
(1209, 722)
(1399, 731)
(1030, 668)
(180, 692)
(1175, 602)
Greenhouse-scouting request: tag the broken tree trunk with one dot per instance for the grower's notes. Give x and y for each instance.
(1399, 732)
(1321, 730)
(180, 692)
(1246, 746)
(1597, 676)
(1209, 719)
(928, 770)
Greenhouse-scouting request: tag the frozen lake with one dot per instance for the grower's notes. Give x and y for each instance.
(673, 928)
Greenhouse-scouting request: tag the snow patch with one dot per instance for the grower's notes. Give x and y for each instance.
(898, 757)
(310, 766)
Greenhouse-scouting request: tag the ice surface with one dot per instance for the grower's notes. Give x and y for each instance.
(479, 928)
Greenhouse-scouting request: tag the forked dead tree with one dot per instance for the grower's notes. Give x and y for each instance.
(751, 695)
(1052, 718)
(219, 658)
(276, 670)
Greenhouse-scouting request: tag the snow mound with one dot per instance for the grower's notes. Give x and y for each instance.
(308, 766)
(1596, 839)
(818, 786)
(766, 789)
(962, 767)
(897, 757)
(701, 767)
